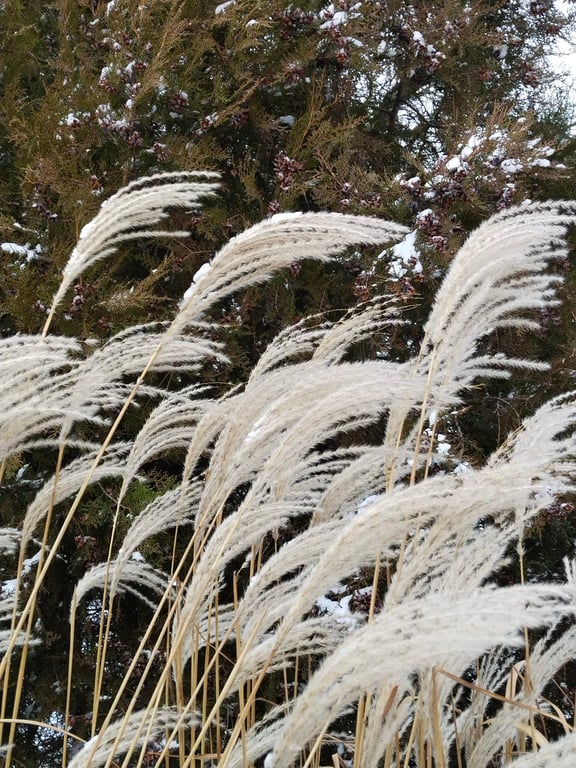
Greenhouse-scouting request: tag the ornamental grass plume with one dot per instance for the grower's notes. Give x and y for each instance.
(280, 520)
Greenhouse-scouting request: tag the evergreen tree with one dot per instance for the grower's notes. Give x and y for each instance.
(393, 108)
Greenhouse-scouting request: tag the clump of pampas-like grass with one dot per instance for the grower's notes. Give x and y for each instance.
(422, 679)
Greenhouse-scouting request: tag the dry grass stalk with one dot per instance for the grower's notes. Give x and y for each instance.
(256, 466)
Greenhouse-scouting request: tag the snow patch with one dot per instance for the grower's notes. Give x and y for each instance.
(8, 587)
(511, 165)
(405, 257)
(27, 251)
(199, 274)
(338, 609)
(223, 7)
(500, 52)
(541, 162)
(456, 164)
(368, 502)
